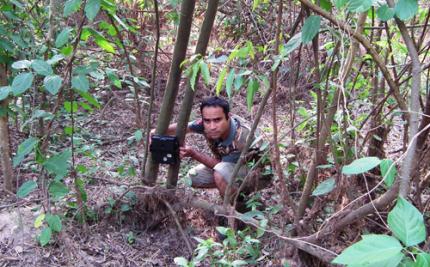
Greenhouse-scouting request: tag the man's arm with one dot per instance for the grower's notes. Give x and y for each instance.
(208, 161)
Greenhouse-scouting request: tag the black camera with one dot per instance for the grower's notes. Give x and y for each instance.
(164, 149)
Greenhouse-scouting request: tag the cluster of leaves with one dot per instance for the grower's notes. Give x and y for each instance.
(237, 249)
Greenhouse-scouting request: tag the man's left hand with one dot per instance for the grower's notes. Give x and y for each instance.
(186, 151)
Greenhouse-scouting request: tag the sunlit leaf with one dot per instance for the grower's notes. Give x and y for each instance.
(389, 171)
(229, 83)
(22, 64)
(39, 220)
(220, 81)
(205, 72)
(423, 260)
(407, 223)
(385, 13)
(372, 250)
(361, 165)
(253, 86)
(4, 92)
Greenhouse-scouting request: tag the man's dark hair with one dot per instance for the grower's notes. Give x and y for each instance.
(215, 101)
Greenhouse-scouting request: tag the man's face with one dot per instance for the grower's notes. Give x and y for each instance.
(215, 123)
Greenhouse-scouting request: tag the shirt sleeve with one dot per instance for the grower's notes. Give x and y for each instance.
(196, 126)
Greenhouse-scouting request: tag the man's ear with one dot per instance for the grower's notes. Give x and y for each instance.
(228, 115)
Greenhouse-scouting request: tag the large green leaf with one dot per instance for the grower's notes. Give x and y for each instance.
(340, 3)
(71, 6)
(104, 44)
(359, 6)
(204, 69)
(361, 165)
(52, 83)
(58, 189)
(26, 188)
(423, 260)
(385, 13)
(253, 86)
(54, 222)
(229, 83)
(220, 81)
(45, 236)
(63, 37)
(372, 250)
(406, 9)
(59, 163)
(41, 67)
(92, 8)
(325, 187)
(81, 83)
(388, 171)
(310, 28)
(21, 83)
(23, 149)
(4, 92)
(407, 223)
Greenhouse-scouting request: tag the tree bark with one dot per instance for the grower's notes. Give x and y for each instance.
(172, 88)
(187, 103)
(8, 175)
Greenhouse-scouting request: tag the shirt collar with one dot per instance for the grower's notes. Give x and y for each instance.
(232, 134)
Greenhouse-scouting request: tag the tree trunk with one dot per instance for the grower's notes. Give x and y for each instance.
(179, 53)
(8, 176)
(187, 103)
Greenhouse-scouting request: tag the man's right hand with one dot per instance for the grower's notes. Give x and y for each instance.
(186, 151)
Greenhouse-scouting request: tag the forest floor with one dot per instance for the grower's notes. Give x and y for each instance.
(117, 238)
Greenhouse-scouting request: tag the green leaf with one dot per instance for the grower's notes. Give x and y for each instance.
(104, 44)
(229, 83)
(58, 189)
(361, 165)
(310, 28)
(22, 64)
(81, 83)
(52, 83)
(205, 72)
(253, 86)
(91, 99)
(91, 9)
(407, 223)
(67, 50)
(292, 44)
(326, 4)
(68, 106)
(372, 250)
(54, 222)
(41, 67)
(59, 163)
(385, 13)
(55, 59)
(325, 187)
(26, 188)
(63, 37)
(423, 260)
(39, 220)
(23, 149)
(406, 9)
(359, 6)
(388, 171)
(21, 83)
(4, 92)
(45, 236)
(193, 78)
(340, 3)
(71, 6)
(220, 81)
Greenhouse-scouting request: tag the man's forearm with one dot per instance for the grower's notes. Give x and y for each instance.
(206, 160)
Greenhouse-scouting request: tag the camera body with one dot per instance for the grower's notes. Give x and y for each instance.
(164, 149)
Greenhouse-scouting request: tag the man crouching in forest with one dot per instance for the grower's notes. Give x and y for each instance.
(226, 136)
